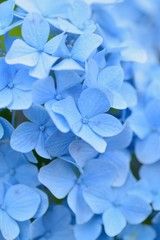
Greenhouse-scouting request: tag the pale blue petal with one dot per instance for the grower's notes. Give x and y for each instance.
(66, 80)
(58, 176)
(43, 90)
(98, 198)
(40, 146)
(57, 144)
(152, 112)
(121, 140)
(79, 13)
(30, 6)
(52, 45)
(22, 53)
(95, 172)
(105, 125)
(81, 152)
(135, 209)
(114, 221)
(118, 101)
(35, 30)
(139, 124)
(97, 142)
(5, 97)
(85, 45)
(43, 204)
(66, 26)
(35, 111)
(21, 202)
(6, 10)
(68, 109)
(78, 205)
(120, 161)
(43, 66)
(128, 92)
(88, 231)
(25, 137)
(8, 226)
(92, 102)
(22, 80)
(148, 149)
(30, 178)
(67, 64)
(20, 99)
(111, 77)
(58, 119)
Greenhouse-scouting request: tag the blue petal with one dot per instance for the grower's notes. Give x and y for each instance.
(31, 178)
(139, 124)
(90, 230)
(114, 221)
(25, 137)
(95, 171)
(58, 176)
(148, 149)
(78, 205)
(92, 102)
(6, 10)
(67, 64)
(81, 152)
(111, 77)
(21, 202)
(53, 44)
(129, 94)
(22, 53)
(121, 140)
(57, 144)
(120, 161)
(8, 226)
(5, 97)
(153, 113)
(105, 125)
(85, 45)
(43, 204)
(135, 209)
(43, 90)
(20, 99)
(35, 30)
(97, 142)
(58, 119)
(35, 111)
(68, 109)
(43, 66)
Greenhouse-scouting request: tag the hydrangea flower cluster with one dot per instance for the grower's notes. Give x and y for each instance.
(79, 120)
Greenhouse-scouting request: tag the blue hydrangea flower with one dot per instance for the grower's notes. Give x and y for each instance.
(60, 178)
(18, 203)
(55, 224)
(15, 87)
(35, 52)
(88, 120)
(118, 206)
(30, 135)
(75, 53)
(48, 91)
